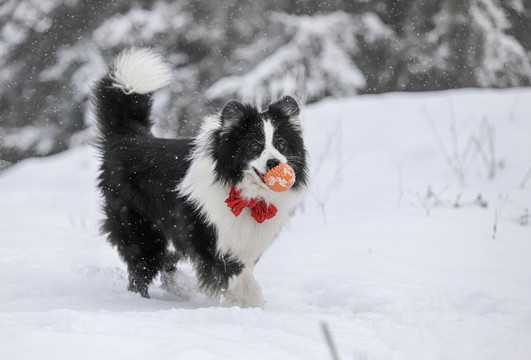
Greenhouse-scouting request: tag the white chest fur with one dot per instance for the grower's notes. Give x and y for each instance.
(242, 237)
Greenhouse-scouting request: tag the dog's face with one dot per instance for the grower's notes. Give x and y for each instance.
(249, 143)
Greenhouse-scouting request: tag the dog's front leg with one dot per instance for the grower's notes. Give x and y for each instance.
(244, 290)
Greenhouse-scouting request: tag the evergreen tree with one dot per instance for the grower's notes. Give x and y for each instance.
(52, 51)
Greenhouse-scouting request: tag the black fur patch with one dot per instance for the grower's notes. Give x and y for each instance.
(138, 178)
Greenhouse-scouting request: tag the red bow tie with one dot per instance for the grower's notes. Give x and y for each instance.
(261, 211)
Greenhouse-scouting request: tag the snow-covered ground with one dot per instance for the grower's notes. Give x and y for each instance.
(414, 243)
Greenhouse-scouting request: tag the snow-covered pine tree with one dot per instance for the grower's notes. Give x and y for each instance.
(474, 46)
(504, 61)
(316, 61)
(51, 51)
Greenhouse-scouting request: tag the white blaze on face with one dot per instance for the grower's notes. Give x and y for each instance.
(170, 248)
(269, 152)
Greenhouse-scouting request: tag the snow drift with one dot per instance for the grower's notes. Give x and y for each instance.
(416, 232)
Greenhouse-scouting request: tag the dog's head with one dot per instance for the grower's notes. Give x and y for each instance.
(250, 142)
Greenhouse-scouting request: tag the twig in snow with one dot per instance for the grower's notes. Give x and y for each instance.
(526, 178)
(430, 200)
(488, 155)
(460, 155)
(497, 214)
(329, 341)
(481, 202)
(322, 201)
(337, 180)
(524, 219)
(455, 161)
(457, 203)
(400, 183)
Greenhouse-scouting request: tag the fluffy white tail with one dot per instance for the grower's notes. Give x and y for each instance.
(140, 71)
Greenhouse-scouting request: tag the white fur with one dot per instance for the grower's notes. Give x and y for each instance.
(170, 248)
(244, 290)
(269, 151)
(140, 71)
(242, 237)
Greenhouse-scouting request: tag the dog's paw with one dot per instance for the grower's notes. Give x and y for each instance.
(244, 291)
(170, 285)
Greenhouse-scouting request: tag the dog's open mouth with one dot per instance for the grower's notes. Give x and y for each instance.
(260, 175)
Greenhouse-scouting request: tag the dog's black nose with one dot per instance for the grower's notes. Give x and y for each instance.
(271, 163)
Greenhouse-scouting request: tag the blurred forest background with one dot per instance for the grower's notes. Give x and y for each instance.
(52, 51)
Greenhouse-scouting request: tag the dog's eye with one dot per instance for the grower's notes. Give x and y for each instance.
(255, 147)
(281, 145)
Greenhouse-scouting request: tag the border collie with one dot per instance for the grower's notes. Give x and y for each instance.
(167, 199)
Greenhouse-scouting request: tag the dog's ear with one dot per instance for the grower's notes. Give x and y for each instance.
(286, 107)
(232, 113)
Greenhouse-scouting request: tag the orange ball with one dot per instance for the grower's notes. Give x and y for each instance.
(280, 178)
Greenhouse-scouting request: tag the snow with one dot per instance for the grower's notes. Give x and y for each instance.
(395, 270)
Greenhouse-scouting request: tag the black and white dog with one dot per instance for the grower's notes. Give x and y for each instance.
(167, 199)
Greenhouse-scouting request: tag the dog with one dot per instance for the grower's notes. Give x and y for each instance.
(165, 200)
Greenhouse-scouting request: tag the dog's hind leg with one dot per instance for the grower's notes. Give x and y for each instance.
(169, 268)
(140, 244)
(142, 270)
